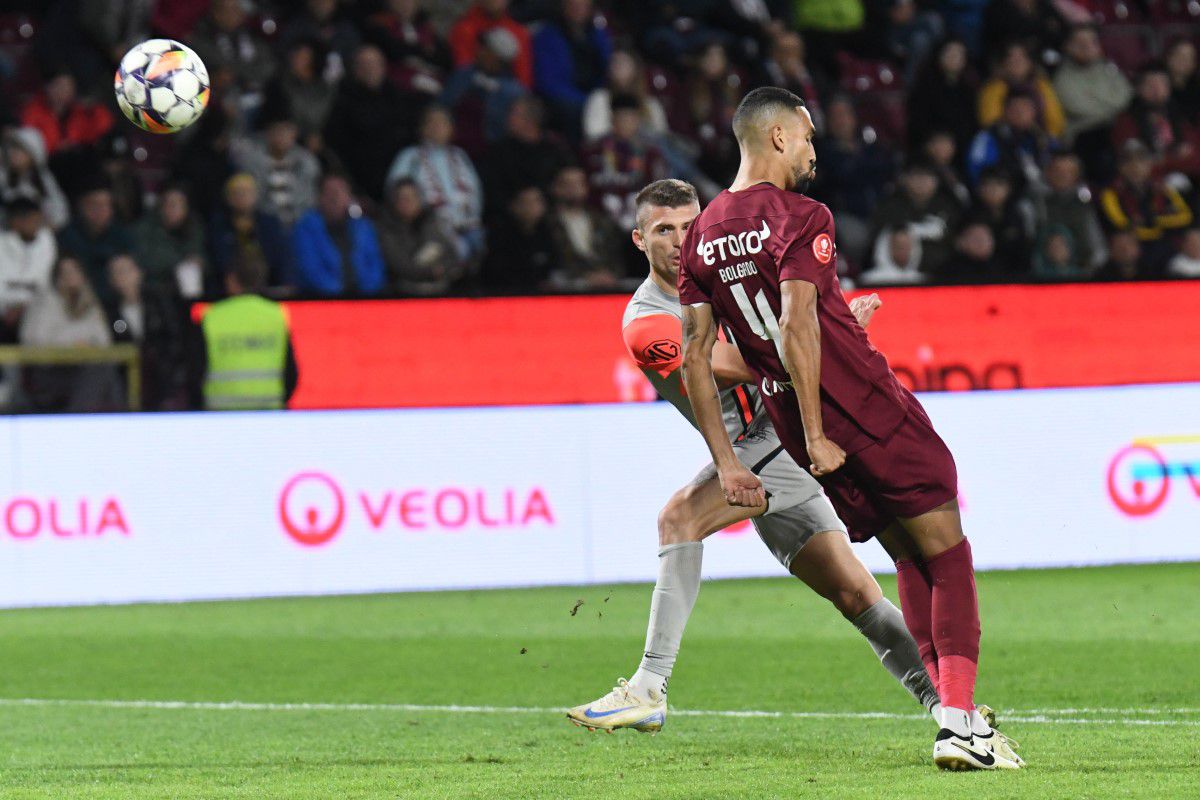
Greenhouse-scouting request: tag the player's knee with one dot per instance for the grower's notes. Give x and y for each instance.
(851, 600)
(675, 524)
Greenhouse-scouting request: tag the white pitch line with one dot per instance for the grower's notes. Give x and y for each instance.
(1041, 718)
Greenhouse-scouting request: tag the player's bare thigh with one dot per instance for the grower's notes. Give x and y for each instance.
(697, 511)
(922, 537)
(829, 567)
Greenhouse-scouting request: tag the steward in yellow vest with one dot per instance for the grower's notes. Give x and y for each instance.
(247, 348)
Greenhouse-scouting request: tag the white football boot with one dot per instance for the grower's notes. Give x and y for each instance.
(622, 708)
(953, 752)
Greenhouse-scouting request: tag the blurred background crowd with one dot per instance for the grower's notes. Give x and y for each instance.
(357, 148)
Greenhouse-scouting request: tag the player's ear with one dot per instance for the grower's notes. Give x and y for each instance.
(638, 241)
(777, 137)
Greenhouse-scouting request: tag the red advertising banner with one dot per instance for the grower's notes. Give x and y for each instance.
(529, 350)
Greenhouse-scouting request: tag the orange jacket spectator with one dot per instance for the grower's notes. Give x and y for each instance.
(464, 37)
(82, 124)
(1050, 113)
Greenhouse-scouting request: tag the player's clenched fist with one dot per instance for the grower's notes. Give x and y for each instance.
(743, 488)
(825, 456)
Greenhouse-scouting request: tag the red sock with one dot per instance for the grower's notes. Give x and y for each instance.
(955, 624)
(916, 603)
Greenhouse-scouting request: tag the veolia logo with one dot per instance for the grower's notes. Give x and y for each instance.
(312, 508)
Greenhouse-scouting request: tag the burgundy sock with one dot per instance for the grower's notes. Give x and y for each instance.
(916, 603)
(955, 624)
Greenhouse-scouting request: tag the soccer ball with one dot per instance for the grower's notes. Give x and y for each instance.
(161, 86)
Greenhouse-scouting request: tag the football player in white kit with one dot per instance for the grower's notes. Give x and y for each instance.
(797, 523)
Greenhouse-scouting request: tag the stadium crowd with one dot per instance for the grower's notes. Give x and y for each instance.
(360, 148)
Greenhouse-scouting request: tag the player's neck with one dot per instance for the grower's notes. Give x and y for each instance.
(755, 170)
(666, 284)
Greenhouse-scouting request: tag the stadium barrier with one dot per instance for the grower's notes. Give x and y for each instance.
(526, 350)
(121, 508)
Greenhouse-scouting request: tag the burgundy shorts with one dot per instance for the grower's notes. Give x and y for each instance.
(905, 475)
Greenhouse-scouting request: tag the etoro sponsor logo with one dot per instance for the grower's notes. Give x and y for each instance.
(1141, 473)
(313, 509)
(733, 245)
(26, 517)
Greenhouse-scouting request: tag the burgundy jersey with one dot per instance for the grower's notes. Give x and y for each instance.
(734, 257)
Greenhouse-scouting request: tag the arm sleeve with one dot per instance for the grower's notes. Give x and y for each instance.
(655, 342)
(811, 251)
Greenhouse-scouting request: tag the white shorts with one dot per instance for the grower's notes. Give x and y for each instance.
(797, 507)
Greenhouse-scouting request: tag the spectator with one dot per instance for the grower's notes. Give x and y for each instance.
(670, 30)
(1124, 259)
(620, 164)
(146, 316)
(1185, 79)
(205, 163)
(1056, 258)
(447, 180)
(416, 53)
(908, 33)
(1091, 88)
(247, 361)
(482, 17)
(170, 244)
(371, 120)
(321, 22)
(286, 172)
(227, 40)
(588, 246)
(1151, 120)
(916, 206)
(71, 127)
(520, 256)
(571, 54)
(418, 246)
(68, 315)
(941, 153)
(27, 255)
(526, 156)
(1017, 72)
(897, 260)
(626, 75)
(944, 91)
(786, 68)
(95, 236)
(24, 174)
(713, 93)
(1068, 204)
(241, 232)
(302, 91)
(337, 250)
(481, 93)
(1011, 219)
(1015, 144)
(1145, 205)
(1034, 24)
(1186, 263)
(854, 171)
(974, 259)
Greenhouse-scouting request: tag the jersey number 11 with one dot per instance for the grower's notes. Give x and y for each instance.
(762, 322)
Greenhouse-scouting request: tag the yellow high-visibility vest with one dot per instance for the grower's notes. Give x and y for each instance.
(246, 337)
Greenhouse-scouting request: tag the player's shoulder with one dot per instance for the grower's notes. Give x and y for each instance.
(648, 301)
(807, 209)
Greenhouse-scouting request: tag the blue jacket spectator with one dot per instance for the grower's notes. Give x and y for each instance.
(570, 59)
(481, 94)
(1015, 145)
(240, 231)
(336, 253)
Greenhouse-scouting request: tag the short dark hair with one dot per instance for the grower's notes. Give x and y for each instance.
(758, 104)
(665, 193)
(23, 206)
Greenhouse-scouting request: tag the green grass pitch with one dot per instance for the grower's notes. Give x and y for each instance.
(1097, 670)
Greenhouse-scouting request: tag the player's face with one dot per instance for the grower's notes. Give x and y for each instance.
(661, 237)
(799, 149)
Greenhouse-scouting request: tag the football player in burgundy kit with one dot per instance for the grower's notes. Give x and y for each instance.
(760, 259)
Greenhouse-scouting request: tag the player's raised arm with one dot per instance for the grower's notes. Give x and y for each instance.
(800, 339)
(742, 487)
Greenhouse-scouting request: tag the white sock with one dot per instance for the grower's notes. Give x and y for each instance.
(936, 711)
(979, 725)
(957, 720)
(674, 595)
